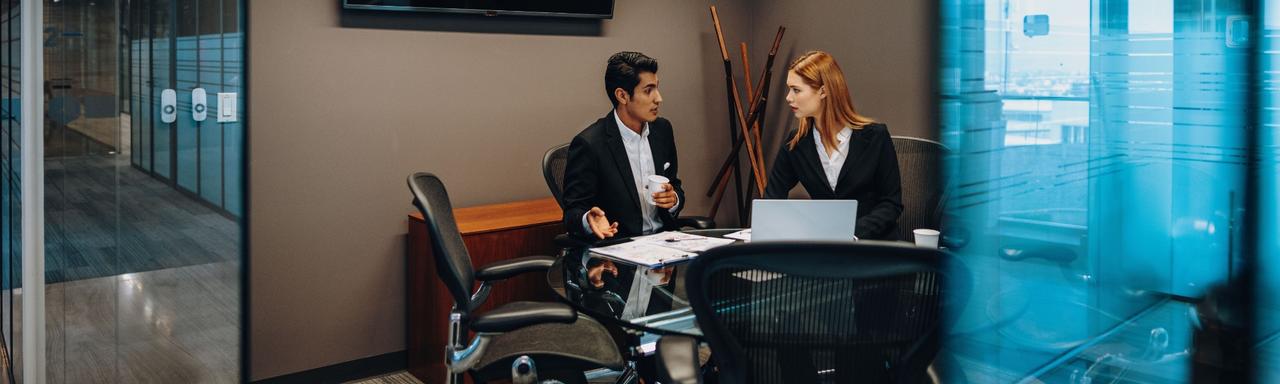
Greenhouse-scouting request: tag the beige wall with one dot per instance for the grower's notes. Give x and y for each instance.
(882, 46)
(340, 116)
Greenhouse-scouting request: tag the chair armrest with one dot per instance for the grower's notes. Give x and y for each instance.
(511, 267)
(678, 360)
(696, 222)
(565, 240)
(520, 314)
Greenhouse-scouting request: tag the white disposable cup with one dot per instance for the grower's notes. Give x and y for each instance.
(926, 238)
(654, 186)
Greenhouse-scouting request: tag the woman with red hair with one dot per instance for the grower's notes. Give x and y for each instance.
(837, 153)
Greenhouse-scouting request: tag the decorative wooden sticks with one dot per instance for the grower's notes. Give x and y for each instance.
(748, 131)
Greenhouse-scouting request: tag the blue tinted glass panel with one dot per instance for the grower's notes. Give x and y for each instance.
(10, 177)
(232, 138)
(136, 82)
(233, 133)
(147, 107)
(1096, 181)
(161, 65)
(1269, 188)
(210, 73)
(187, 128)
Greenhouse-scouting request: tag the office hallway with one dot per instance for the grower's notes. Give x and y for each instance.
(106, 217)
(142, 280)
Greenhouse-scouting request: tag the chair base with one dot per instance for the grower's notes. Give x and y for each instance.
(577, 347)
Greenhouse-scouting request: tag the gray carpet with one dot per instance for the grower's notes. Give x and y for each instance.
(104, 217)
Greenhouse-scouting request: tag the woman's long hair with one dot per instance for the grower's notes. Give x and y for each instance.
(818, 69)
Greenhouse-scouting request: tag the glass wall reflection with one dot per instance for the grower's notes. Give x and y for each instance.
(10, 189)
(1097, 184)
(143, 247)
(1268, 328)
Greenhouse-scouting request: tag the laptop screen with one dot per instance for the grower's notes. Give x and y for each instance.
(791, 220)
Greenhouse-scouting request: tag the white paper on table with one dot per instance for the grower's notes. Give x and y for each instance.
(643, 253)
(684, 241)
(744, 235)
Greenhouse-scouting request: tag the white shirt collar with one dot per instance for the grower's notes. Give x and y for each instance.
(841, 138)
(832, 164)
(627, 133)
(844, 134)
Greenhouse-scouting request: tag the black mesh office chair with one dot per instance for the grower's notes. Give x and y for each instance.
(551, 334)
(920, 164)
(812, 313)
(553, 164)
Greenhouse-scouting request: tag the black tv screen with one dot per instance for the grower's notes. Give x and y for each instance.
(599, 9)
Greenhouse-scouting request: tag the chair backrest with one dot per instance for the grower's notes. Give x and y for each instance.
(787, 312)
(553, 164)
(920, 164)
(453, 263)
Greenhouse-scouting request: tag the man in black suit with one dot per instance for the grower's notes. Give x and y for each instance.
(606, 177)
(610, 161)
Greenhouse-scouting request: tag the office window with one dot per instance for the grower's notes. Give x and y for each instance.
(1097, 181)
(1268, 327)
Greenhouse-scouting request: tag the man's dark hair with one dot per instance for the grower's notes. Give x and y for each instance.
(624, 72)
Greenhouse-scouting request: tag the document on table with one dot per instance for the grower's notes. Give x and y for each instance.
(660, 249)
(684, 241)
(644, 254)
(744, 235)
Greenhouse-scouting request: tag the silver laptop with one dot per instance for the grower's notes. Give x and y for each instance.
(815, 220)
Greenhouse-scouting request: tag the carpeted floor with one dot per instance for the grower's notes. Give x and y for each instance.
(104, 217)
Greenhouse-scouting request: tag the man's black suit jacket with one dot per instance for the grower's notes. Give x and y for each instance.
(869, 175)
(598, 174)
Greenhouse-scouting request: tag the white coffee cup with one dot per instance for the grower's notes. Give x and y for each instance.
(655, 186)
(926, 238)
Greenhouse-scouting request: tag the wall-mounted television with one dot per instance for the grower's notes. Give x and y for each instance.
(592, 9)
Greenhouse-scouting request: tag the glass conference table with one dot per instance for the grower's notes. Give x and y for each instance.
(643, 303)
(1149, 346)
(639, 300)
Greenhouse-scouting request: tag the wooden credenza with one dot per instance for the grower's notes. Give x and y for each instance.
(491, 233)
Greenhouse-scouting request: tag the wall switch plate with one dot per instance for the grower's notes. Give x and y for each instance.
(227, 107)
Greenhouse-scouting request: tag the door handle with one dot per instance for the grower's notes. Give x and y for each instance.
(168, 106)
(199, 105)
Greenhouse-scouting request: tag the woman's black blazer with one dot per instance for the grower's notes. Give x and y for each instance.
(869, 175)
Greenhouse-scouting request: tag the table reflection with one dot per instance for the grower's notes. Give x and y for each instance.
(649, 300)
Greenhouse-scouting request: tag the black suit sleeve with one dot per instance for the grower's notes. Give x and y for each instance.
(673, 174)
(888, 183)
(580, 178)
(782, 177)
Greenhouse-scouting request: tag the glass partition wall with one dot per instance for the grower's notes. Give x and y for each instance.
(143, 191)
(1100, 182)
(1268, 147)
(10, 187)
